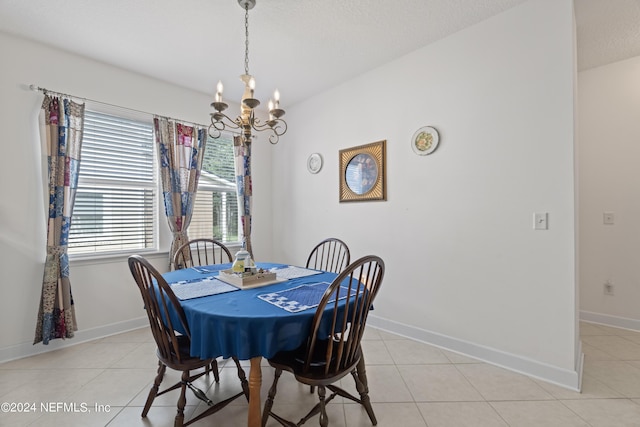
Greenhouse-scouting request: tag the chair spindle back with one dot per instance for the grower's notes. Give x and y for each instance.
(198, 252)
(329, 255)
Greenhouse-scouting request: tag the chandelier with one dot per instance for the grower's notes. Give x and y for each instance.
(247, 121)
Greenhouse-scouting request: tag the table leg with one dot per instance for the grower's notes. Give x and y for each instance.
(255, 383)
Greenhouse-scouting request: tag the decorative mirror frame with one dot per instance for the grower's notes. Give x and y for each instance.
(377, 151)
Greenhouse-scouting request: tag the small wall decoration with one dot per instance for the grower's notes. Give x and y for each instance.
(314, 163)
(425, 140)
(362, 172)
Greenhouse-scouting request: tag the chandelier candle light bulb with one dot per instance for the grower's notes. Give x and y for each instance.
(219, 89)
(276, 96)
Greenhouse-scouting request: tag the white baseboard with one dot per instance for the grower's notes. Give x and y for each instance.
(26, 349)
(579, 364)
(609, 320)
(552, 374)
(562, 377)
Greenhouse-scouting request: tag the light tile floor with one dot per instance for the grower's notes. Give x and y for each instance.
(411, 384)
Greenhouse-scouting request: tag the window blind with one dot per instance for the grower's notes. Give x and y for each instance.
(215, 212)
(115, 206)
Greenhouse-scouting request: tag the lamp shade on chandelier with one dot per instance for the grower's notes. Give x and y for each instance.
(247, 122)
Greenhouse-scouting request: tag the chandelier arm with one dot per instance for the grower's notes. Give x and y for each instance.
(233, 124)
(218, 124)
(214, 132)
(278, 126)
(256, 123)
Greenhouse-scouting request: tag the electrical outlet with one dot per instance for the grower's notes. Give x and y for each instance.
(608, 288)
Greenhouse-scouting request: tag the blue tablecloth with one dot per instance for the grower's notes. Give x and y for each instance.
(241, 324)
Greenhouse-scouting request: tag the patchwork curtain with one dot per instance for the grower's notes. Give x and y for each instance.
(242, 155)
(61, 123)
(180, 153)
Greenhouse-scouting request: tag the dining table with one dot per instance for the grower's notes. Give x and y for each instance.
(252, 323)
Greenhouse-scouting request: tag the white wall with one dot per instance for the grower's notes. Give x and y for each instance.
(609, 153)
(106, 298)
(465, 269)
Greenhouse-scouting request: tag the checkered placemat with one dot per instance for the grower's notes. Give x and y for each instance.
(301, 297)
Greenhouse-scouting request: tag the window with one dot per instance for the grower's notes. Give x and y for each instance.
(115, 207)
(215, 213)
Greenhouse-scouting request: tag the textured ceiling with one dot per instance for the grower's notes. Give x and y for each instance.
(607, 31)
(301, 46)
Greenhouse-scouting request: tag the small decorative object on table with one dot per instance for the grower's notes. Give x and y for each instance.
(425, 140)
(244, 274)
(242, 261)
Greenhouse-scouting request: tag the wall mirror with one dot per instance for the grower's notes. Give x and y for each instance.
(362, 172)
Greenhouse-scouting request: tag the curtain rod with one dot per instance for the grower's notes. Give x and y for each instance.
(46, 91)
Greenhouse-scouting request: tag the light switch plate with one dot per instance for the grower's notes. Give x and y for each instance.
(540, 221)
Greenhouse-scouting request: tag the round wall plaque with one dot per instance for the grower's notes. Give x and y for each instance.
(314, 163)
(425, 140)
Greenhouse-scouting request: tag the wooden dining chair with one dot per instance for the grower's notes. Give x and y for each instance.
(329, 255)
(332, 349)
(173, 347)
(198, 252)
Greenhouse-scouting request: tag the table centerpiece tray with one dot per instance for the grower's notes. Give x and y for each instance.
(248, 280)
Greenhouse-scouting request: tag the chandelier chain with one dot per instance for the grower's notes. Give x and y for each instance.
(246, 39)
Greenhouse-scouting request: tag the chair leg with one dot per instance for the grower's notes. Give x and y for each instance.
(154, 388)
(182, 400)
(213, 366)
(360, 377)
(324, 419)
(272, 393)
(243, 378)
